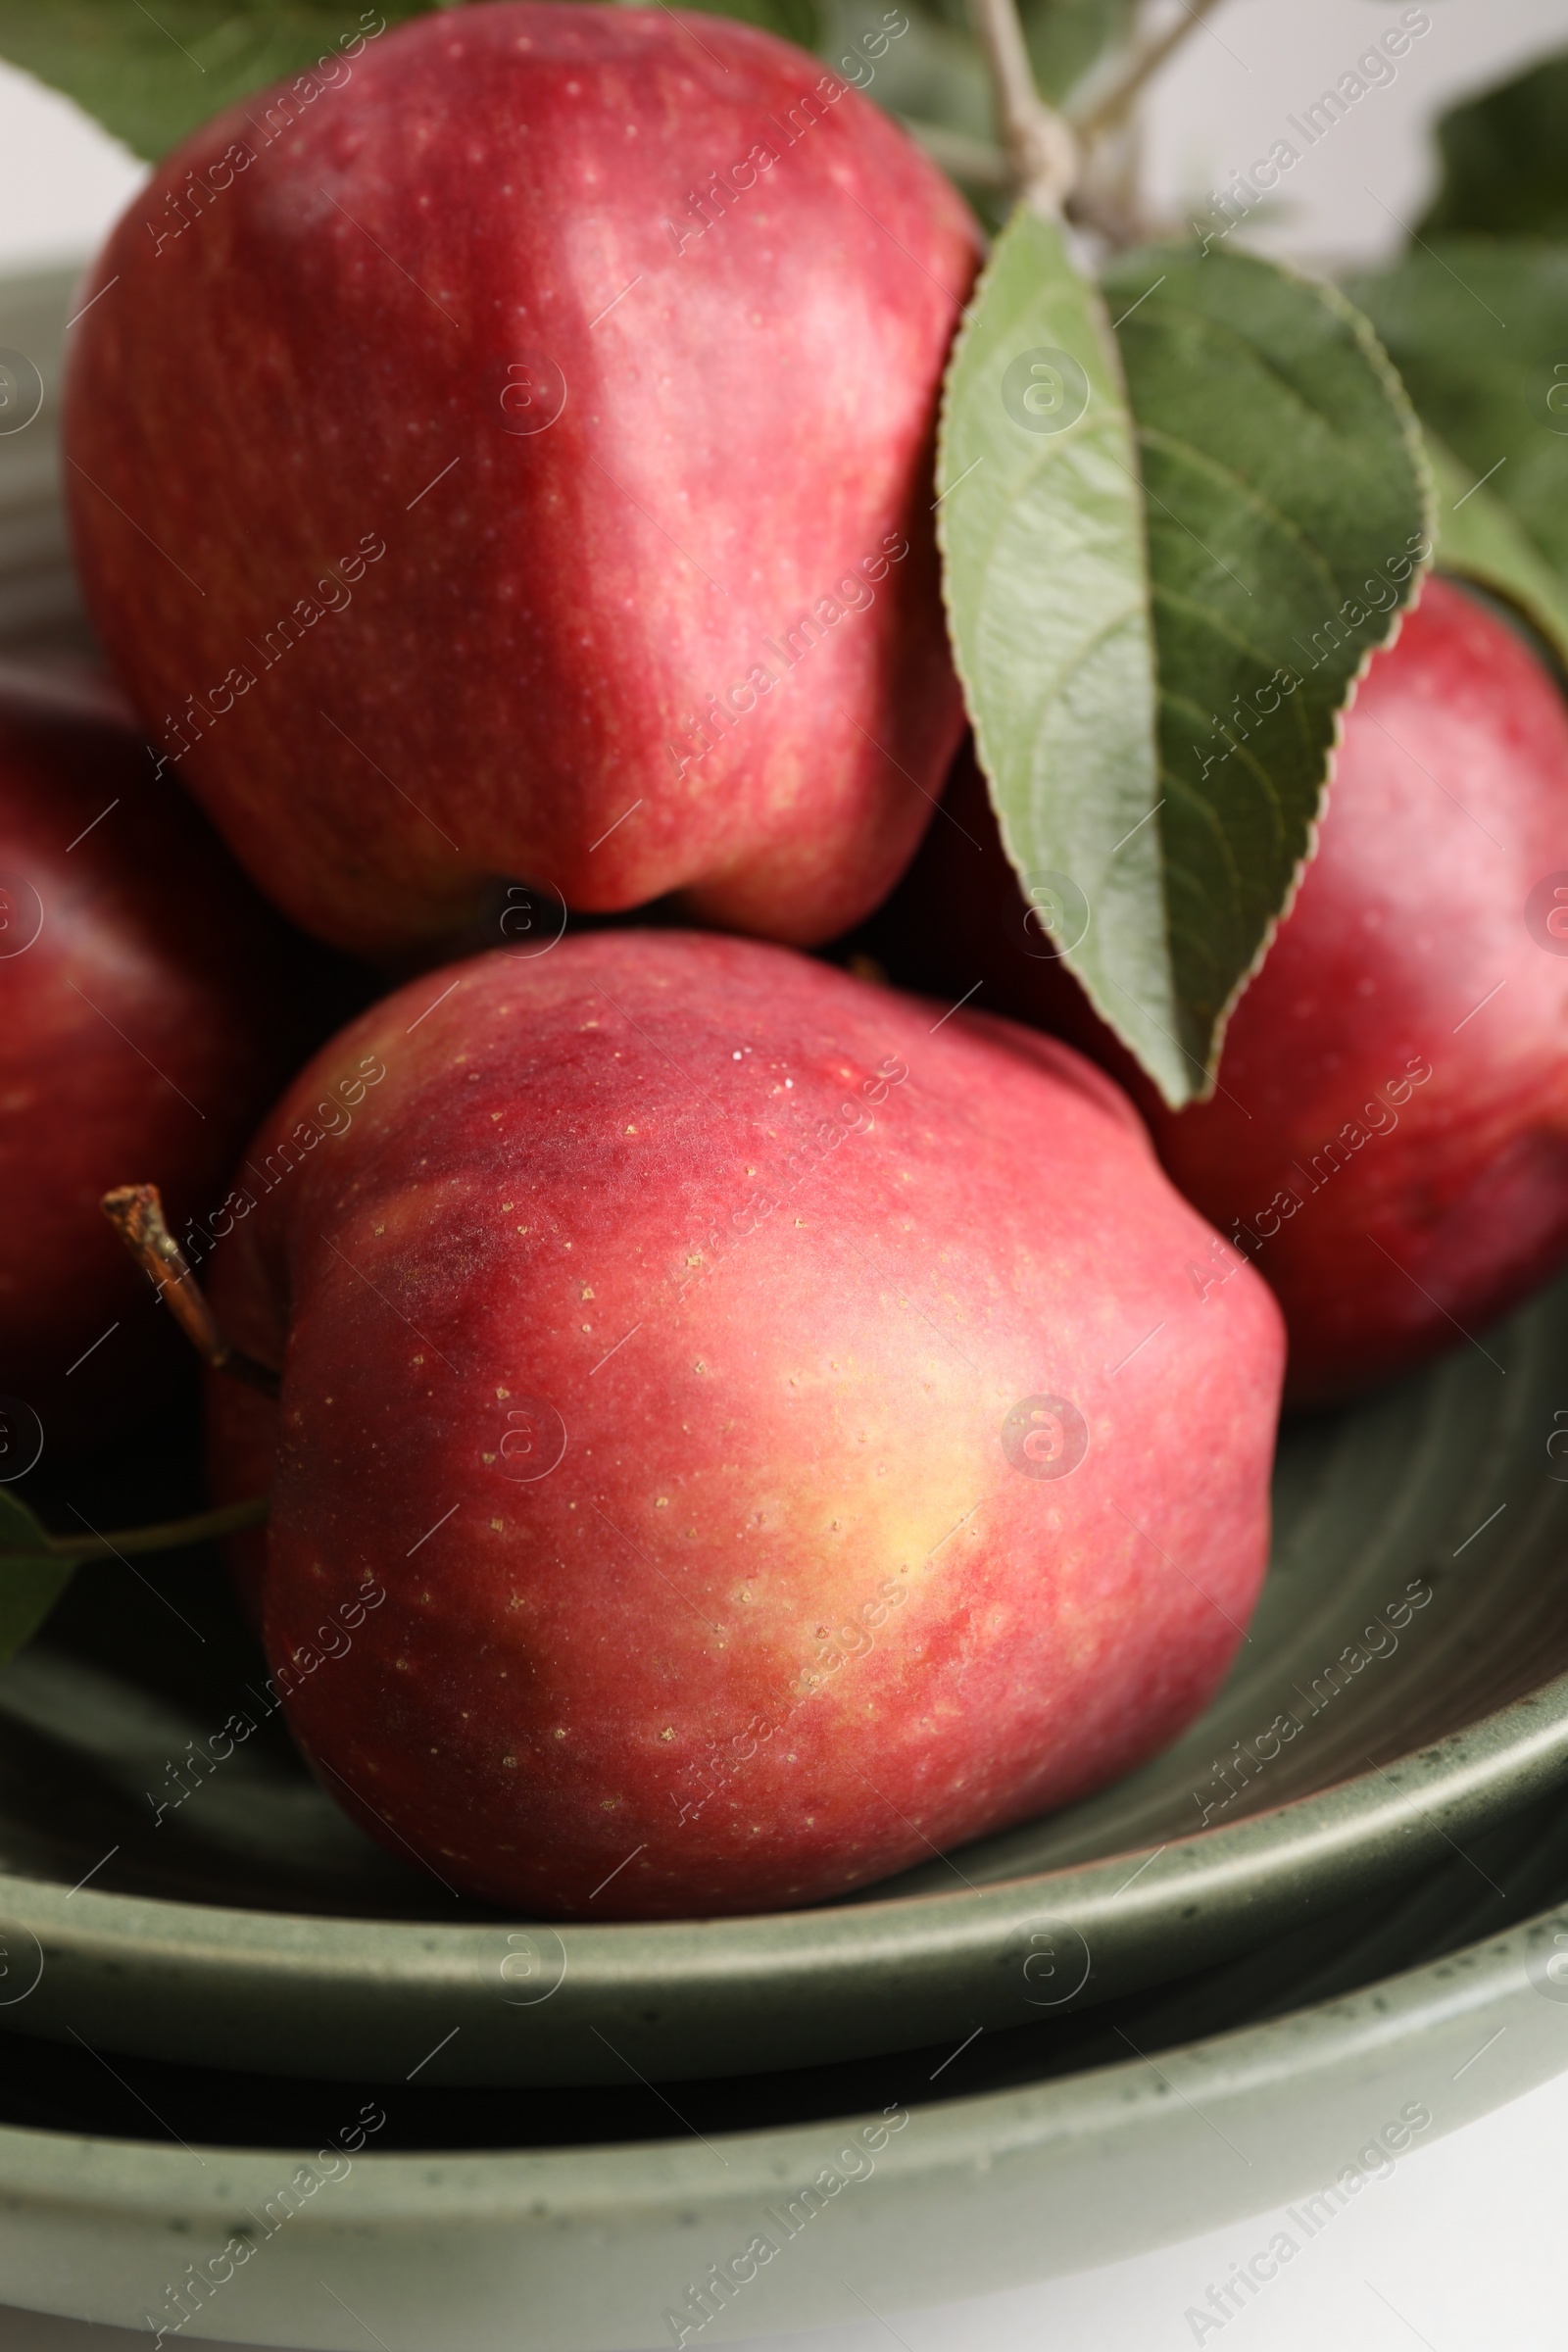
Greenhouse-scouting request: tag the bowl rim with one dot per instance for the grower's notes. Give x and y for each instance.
(899, 1955)
(1338, 2028)
(542, 2248)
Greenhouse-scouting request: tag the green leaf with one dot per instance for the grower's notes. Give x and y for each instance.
(1506, 159)
(151, 78)
(1039, 522)
(1479, 330)
(35, 1566)
(1478, 539)
(796, 20)
(1068, 38)
(20, 1528)
(933, 71)
(1155, 671)
(30, 1581)
(1287, 516)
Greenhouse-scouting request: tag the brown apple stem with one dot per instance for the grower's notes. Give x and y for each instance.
(168, 1535)
(1039, 143)
(136, 1213)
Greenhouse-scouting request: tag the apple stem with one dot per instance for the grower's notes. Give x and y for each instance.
(1039, 143)
(168, 1535)
(136, 1213)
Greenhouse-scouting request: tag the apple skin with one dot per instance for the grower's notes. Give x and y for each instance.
(516, 685)
(1407, 950)
(145, 1021)
(783, 1616)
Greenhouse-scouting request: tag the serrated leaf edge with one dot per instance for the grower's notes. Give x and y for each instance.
(1110, 352)
(1403, 408)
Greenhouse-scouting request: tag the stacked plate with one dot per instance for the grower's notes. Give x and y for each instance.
(263, 2081)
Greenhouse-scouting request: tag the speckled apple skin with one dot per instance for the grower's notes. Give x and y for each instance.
(271, 393)
(783, 1616)
(155, 1013)
(1407, 950)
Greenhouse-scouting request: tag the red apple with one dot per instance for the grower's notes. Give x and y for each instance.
(148, 1011)
(1389, 1139)
(741, 1429)
(515, 459)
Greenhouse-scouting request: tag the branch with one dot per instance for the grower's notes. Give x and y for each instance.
(136, 1213)
(1144, 63)
(1039, 145)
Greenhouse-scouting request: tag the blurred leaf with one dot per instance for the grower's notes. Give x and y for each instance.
(1156, 681)
(1068, 38)
(1478, 539)
(974, 162)
(35, 1567)
(932, 71)
(796, 20)
(151, 78)
(1479, 330)
(30, 1582)
(1505, 159)
(20, 1528)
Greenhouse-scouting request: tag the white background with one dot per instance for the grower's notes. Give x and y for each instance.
(1463, 2248)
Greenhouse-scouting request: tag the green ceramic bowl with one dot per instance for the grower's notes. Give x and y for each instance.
(323, 2213)
(1404, 1684)
(485, 2221)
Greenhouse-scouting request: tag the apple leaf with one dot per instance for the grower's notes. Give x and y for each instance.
(933, 71)
(152, 76)
(1477, 327)
(1288, 517)
(1068, 38)
(1506, 159)
(1040, 520)
(796, 20)
(1154, 667)
(1478, 539)
(30, 1580)
(933, 79)
(35, 1566)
